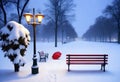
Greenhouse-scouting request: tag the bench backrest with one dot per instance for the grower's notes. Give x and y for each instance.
(86, 58)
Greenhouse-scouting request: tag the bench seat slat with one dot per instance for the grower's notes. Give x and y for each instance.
(88, 63)
(86, 55)
(85, 58)
(100, 62)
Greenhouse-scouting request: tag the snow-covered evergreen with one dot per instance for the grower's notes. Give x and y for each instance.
(14, 39)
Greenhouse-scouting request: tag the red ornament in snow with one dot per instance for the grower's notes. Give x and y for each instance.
(56, 55)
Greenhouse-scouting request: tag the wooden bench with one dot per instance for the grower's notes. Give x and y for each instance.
(43, 56)
(87, 59)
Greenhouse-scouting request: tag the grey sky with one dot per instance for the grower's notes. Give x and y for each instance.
(86, 11)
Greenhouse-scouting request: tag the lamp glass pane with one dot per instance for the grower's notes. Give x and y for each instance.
(40, 17)
(28, 18)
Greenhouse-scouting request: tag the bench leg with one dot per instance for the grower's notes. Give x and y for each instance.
(47, 55)
(103, 67)
(45, 59)
(68, 67)
(40, 60)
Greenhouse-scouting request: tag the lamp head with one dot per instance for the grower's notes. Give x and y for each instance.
(39, 17)
(28, 17)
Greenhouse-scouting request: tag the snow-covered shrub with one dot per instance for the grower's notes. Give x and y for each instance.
(14, 39)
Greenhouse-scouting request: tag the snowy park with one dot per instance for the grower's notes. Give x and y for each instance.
(56, 70)
(39, 49)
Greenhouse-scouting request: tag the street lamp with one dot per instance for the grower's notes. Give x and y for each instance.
(34, 20)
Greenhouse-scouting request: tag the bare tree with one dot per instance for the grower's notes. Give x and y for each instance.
(3, 11)
(58, 11)
(20, 6)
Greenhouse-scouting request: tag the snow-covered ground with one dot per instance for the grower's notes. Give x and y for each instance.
(56, 70)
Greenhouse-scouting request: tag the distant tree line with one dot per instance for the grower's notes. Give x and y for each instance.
(65, 32)
(45, 32)
(106, 27)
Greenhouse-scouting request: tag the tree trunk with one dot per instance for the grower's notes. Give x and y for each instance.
(20, 14)
(119, 37)
(56, 28)
(118, 31)
(110, 38)
(4, 13)
(16, 67)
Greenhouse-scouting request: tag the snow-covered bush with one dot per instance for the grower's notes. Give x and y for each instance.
(14, 39)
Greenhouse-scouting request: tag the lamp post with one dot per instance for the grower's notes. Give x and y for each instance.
(34, 20)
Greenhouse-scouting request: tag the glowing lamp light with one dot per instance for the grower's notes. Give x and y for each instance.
(39, 17)
(28, 17)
